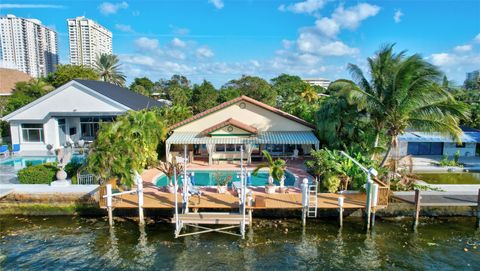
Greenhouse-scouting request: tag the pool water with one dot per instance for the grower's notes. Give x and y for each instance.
(207, 178)
(450, 178)
(24, 161)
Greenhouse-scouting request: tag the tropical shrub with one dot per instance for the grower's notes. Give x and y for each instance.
(127, 144)
(276, 168)
(331, 182)
(445, 162)
(38, 174)
(326, 163)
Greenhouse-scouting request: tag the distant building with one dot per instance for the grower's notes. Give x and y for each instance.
(8, 79)
(28, 46)
(322, 82)
(472, 76)
(88, 39)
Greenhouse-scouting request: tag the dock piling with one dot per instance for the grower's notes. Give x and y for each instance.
(304, 200)
(417, 208)
(340, 209)
(109, 204)
(478, 210)
(140, 203)
(368, 205)
(374, 203)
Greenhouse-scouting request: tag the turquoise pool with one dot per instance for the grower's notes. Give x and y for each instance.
(206, 178)
(24, 161)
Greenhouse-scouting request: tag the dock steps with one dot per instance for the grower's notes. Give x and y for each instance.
(211, 218)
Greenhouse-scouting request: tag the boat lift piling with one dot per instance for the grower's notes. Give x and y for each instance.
(374, 202)
(109, 204)
(478, 210)
(417, 209)
(305, 199)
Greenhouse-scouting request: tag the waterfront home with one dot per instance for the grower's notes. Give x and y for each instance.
(71, 113)
(420, 143)
(218, 134)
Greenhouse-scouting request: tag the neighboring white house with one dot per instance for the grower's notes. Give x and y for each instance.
(419, 143)
(71, 112)
(322, 82)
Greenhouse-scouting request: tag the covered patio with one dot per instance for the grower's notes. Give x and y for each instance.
(227, 148)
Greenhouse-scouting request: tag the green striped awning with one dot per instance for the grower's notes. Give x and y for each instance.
(294, 137)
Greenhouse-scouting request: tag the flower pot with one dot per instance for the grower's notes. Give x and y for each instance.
(222, 189)
(270, 189)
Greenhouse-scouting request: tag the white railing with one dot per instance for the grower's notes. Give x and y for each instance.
(87, 179)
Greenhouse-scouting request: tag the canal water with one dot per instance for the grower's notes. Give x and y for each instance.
(79, 243)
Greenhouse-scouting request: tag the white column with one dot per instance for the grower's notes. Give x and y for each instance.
(167, 152)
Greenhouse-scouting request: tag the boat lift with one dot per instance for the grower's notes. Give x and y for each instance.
(196, 220)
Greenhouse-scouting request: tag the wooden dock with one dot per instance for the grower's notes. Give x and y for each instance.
(210, 199)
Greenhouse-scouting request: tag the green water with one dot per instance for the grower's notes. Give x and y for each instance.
(77, 243)
(450, 178)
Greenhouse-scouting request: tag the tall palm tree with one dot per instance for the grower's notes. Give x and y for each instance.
(309, 94)
(108, 69)
(276, 168)
(401, 94)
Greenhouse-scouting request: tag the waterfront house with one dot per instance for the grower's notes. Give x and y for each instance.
(420, 143)
(218, 134)
(71, 113)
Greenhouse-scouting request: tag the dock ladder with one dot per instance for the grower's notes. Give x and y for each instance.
(312, 199)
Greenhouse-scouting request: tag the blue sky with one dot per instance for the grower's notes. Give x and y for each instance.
(220, 40)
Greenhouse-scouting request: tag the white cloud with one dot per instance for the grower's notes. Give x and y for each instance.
(308, 6)
(327, 26)
(179, 30)
(309, 42)
(107, 8)
(463, 48)
(124, 28)
(352, 17)
(176, 42)
(397, 16)
(204, 52)
(477, 38)
(443, 59)
(31, 6)
(345, 18)
(145, 43)
(218, 4)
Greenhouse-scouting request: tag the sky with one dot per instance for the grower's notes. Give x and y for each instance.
(220, 40)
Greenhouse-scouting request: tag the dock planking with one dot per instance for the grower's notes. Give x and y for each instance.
(210, 199)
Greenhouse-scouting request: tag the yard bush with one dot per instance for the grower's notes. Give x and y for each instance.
(39, 174)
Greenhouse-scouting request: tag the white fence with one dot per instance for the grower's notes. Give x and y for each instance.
(87, 179)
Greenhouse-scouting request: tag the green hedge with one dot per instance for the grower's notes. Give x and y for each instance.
(39, 174)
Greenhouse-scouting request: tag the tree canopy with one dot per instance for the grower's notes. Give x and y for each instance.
(66, 73)
(254, 87)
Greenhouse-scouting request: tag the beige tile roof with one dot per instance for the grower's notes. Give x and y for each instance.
(8, 78)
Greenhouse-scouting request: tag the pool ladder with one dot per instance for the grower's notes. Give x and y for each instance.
(312, 200)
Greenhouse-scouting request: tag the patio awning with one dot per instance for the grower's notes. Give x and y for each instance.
(294, 137)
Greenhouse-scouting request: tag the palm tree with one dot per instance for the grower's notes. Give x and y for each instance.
(169, 168)
(276, 168)
(401, 94)
(309, 94)
(108, 69)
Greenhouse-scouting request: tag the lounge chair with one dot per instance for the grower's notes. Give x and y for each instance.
(4, 150)
(192, 190)
(15, 148)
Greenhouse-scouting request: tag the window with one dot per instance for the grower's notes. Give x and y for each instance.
(90, 126)
(228, 147)
(32, 132)
(460, 145)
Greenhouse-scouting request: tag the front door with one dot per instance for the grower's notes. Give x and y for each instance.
(62, 132)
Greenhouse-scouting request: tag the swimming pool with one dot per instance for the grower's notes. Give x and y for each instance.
(206, 178)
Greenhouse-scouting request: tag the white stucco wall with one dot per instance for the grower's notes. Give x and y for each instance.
(67, 102)
(258, 117)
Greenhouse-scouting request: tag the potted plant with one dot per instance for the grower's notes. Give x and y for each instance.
(276, 170)
(222, 181)
(167, 168)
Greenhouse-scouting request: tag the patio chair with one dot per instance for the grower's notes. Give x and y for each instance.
(295, 154)
(192, 190)
(15, 148)
(4, 150)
